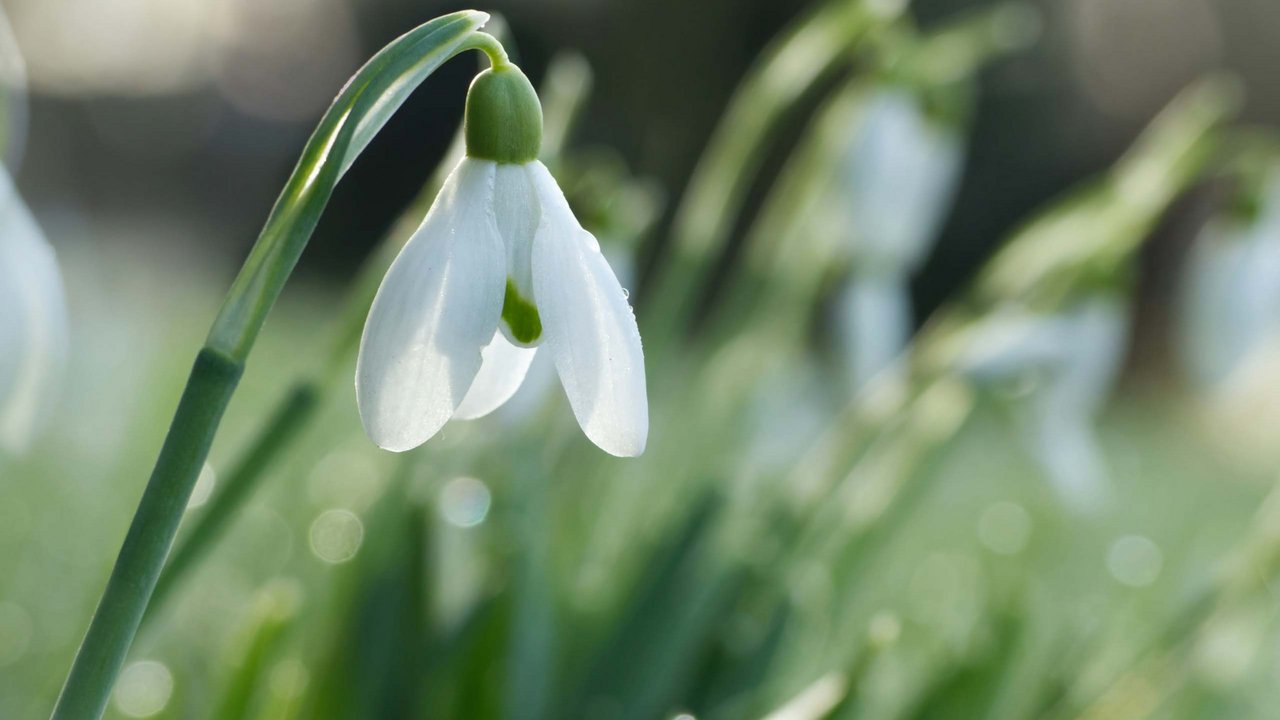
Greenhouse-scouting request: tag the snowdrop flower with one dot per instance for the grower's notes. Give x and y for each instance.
(1231, 294)
(893, 185)
(33, 321)
(895, 181)
(1072, 358)
(499, 268)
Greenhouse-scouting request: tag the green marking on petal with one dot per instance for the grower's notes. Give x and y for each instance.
(521, 316)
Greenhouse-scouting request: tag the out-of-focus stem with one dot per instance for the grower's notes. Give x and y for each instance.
(1247, 569)
(873, 456)
(820, 45)
(783, 268)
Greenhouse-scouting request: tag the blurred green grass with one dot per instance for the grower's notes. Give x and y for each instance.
(905, 560)
(936, 579)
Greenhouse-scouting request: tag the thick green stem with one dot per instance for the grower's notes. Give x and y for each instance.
(290, 418)
(213, 380)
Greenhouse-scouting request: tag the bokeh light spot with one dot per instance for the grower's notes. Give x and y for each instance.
(336, 535)
(289, 678)
(465, 502)
(1135, 561)
(346, 478)
(884, 629)
(144, 689)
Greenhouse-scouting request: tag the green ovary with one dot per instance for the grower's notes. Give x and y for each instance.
(521, 316)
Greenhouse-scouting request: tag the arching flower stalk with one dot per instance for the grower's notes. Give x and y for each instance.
(500, 267)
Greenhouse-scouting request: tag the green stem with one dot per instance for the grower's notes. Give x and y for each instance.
(531, 659)
(365, 104)
(299, 406)
(213, 380)
(290, 418)
(359, 112)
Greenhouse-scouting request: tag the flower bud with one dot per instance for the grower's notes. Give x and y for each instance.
(504, 117)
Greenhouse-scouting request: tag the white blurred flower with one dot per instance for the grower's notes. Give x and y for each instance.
(891, 191)
(499, 266)
(1070, 361)
(1231, 292)
(873, 322)
(895, 182)
(33, 322)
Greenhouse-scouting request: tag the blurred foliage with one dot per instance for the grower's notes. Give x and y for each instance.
(789, 547)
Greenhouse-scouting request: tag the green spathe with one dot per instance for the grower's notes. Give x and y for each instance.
(504, 117)
(521, 316)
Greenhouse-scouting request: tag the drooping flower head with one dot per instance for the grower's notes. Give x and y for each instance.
(499, 268)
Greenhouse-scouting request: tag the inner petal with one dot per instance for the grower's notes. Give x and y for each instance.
(518, 213)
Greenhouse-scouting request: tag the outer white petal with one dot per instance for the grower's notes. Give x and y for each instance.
(33, 321)
(588, 327)
(501, 375)
(437, 307)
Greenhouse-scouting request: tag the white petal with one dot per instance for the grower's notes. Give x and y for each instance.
(518, 214)
(33, 322)
(501, 375)
(437, 307)
(588, 327)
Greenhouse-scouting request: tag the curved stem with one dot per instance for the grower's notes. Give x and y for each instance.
(296, 410)
(490, 46)
(365, 104)
(359, 112)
